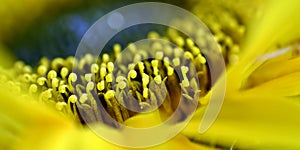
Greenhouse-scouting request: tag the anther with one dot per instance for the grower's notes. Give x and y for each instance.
(52, 74)
(88, 77)
(158, 79)
(60, 106)
(159, 55)
(189, 43)
(177, 52)
(89, 58)
(42, 70)
(168, 50)
(156, 46)
(145, 80)
(101, 85)
(141, 67)
(145, 93)
(94, 68)
(90, 86)
(153, 35)
(176, 62)
(27, 69)
(195, 50)
(132, 48)
(41, 81)
(64, 72)
(137, 58)
(33, 88)
(72, 99)
(110, 67)
(189, 55)
(55, 83)
(72, 78)
(154, 64)
(179, 41)
(201, 59)
(105, 58)
(170, 71)
(62, 88)
(109, 78)
(103, 73)
(185, 81)
(166, 61)
(117, 50)
(83, 98)
(19, 65)
(56, 63)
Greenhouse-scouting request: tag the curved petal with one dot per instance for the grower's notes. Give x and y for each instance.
(25, 124)
(178, 142)
(278, 25)
(252, 120)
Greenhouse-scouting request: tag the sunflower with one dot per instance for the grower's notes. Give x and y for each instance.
(40, 106)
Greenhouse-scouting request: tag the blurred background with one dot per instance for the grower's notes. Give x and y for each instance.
(31, 29)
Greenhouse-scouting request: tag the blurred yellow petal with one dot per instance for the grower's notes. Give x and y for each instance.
(281, 78)
(272, 69)
(277, 26)
(151, 119)
(250, 120)
(27, 125)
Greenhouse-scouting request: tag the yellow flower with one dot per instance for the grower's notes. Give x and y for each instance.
(261, 105)
(260, 108)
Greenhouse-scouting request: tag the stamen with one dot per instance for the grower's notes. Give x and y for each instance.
(170, 71)
(109, 78)
(176, 62)
(117, 50)
(83, 98)
(41, 81)
(60, 106)
(52, 74)
(195, 50)
(94, 68)
(185, 81)
(157, 79)
(42, 70)
(132, 48)
(145, 81)
(190, 43)
(105, 58)
(101, 85)
(72, 78)
(179, 41)
(156, 46)
(153, 35)
(110, 67)
(132, 74)
(102, 72)
(64, 72)
(155, 66)
(88, 77)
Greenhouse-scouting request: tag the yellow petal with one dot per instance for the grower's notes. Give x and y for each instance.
(178, 142)
(27, 125)
(277, 26)
(288, 85)
(272, 69)
(252, 120)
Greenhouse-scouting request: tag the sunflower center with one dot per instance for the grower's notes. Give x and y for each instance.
(117, 86)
